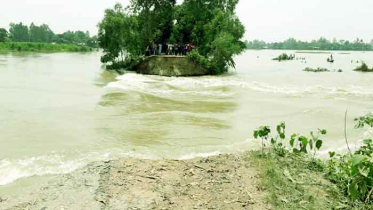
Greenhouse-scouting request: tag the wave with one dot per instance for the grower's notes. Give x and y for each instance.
(53, 164)
(225, 87)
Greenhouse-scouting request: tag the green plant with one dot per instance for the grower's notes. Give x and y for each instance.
(284, 57)
(315, 70)
(299, 144)
(366, 120)
(263, 133)
(363, 68)
(354, 173)
(302, 144)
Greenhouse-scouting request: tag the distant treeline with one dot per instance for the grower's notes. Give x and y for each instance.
(320, 44)
(43, 34)
(42, 47)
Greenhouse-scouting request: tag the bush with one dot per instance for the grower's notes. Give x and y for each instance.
(316, 70)
(363, 68)
(201, 60)
(284, 57)
(352, 173)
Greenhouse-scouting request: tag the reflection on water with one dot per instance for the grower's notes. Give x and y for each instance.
(61, 111)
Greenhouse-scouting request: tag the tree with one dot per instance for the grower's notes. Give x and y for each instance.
(19, 32)
(211, 25)
(192, 16)
(223, 37)
(214, 28)
(3, 35)
(156, 19)
(119, 35)
(41, 33)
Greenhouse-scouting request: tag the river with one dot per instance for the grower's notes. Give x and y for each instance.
(61, 111)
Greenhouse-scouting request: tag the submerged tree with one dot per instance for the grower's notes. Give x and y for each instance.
(210, 25)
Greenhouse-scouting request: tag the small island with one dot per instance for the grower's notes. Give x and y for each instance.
(142, 38)
(284, 57)
(364, 68)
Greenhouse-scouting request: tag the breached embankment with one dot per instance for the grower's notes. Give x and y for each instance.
(171, 66)
(219, 182)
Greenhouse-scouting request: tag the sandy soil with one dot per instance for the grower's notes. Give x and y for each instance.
(220, 182)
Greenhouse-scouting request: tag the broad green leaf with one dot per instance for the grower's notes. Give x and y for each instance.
(304, 140)
(353, 190)
(364, 171)
(357, 159)
(323, 132)
(256, 133)
(318, 144)
(368, 141)
(292, 142)
(331, 154)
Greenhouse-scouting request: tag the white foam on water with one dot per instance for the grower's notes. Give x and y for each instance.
(212, 86)
(52, 164)
(201, 155)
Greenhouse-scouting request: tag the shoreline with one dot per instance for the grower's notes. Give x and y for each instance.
(248, 180)
(223, 181)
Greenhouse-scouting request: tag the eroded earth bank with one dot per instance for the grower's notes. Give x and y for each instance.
(220, 182)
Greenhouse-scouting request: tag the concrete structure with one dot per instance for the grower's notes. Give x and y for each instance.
(171, 66)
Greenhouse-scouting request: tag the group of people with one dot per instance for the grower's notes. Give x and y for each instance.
(169, 49)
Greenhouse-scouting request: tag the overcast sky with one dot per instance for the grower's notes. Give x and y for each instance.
(269, 20)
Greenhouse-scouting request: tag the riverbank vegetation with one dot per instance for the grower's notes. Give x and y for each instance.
(41, 38)
(296, 177)
(284, 57)
(41, 47)
(320, 44)
(211, 26)
(364, 68)
(316, 70)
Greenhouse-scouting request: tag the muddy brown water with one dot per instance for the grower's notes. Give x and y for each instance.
(61, 111)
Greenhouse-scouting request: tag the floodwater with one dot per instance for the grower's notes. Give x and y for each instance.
(59, 112)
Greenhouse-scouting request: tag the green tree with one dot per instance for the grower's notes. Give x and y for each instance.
(41, 33)
(214, 28)
(119, 35)
(156, 19)
(3, 35)
(19, 32)
(223, 40)
(211, 25)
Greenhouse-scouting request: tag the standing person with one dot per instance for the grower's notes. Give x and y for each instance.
(170, 46)
(177, 49)
(164, 49)
(154, 49)
(160, 49)
(147, 51)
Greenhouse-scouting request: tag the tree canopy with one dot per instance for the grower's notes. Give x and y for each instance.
(3, 35)
(18, 32)
(210, 25)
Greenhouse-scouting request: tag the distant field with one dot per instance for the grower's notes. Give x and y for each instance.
(41, 47)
